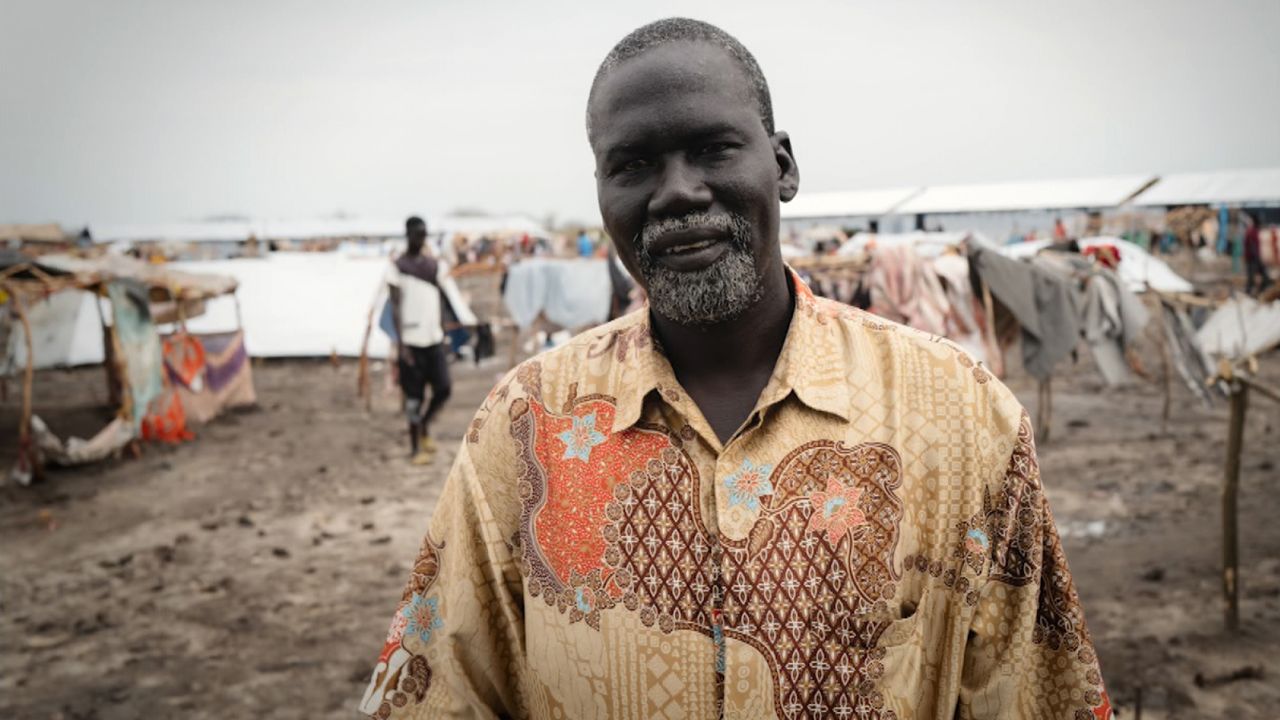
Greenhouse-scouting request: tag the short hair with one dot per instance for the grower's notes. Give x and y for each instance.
(413, 222)
(677, 29)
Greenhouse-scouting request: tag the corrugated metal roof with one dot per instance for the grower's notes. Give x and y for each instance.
(239, 231)
(1101, 192)
(859, 203)
(1259, 185)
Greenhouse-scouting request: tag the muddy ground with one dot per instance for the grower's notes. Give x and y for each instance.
(252, 572)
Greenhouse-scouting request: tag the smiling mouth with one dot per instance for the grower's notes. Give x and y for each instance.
(689, 247)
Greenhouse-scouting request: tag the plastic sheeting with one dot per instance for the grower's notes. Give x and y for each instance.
(65, 331)
(569, 293)
(77, 451)
(297, 304)
(1139, 269)
(1240, 327)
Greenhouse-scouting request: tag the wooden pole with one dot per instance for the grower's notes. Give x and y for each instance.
(515, 345)
(1167, 362)
(1230, 490)
(108, 352)
(1044, 408)
(989, 308)
(25, 443)
(363, 389)
(29, 372)
(1266, 391)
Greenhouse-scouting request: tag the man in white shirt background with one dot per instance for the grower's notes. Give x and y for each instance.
(417, 307)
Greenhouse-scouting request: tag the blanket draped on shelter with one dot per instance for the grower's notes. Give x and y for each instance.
(209, 372)
(1040, 299)
(568, 293)
(138, 346)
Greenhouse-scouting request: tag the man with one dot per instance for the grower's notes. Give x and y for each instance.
(417, 314)
(1253, 265)
(741, 501)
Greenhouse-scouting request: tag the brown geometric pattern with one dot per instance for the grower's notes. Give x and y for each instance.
(874, 543)
(814, 610)
(1017, 520)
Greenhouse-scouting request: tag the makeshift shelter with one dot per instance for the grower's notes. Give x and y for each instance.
(152, 381)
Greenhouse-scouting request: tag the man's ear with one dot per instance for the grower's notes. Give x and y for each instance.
(788, 170)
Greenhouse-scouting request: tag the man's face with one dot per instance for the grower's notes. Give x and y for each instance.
(689, 181)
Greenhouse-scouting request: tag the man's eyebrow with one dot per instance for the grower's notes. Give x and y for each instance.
(714, 130)
(629, 148)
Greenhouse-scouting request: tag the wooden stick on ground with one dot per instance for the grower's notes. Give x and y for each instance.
(1230, 491)
(1266, 391)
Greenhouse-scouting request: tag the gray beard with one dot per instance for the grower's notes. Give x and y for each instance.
(712, 295)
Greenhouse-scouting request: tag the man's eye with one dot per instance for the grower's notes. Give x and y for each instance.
(714, 149)
(634, 165)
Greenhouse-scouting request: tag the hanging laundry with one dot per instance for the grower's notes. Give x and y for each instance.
(1191, 362)
(1112, 318)
(1040, 299)
(905, 289)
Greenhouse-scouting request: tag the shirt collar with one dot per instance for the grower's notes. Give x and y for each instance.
(812, 364)
(814, 361)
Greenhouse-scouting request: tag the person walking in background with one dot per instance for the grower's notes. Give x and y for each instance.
(1253, 267)
(417, 307)
(585, 246)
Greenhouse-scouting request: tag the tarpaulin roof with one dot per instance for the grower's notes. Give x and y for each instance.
(162, 281)
(1101, 192)
(45, 232)
(865, 203)
(1259, 185)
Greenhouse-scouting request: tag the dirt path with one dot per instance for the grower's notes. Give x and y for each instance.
(252, 573)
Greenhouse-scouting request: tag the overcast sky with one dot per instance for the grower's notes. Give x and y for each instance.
(158, 111)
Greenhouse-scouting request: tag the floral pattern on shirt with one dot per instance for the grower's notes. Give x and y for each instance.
(581, 438)
(749, 484)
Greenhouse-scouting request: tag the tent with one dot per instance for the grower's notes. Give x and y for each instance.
(148, 391)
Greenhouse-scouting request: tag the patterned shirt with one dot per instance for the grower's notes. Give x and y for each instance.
(873, 543)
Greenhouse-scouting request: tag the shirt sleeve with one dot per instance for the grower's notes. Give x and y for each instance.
(1029, 653)
(455, 645)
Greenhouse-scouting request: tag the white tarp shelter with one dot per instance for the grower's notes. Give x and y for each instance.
(1080, 193)
(66, 331)
(859, 203)
(1259, 186)
(297, 304)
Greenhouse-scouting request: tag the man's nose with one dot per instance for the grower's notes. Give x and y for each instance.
(680, 190)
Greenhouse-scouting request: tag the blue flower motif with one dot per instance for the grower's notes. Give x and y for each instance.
(975, 541)
(583, 436)
(422, 616)
(582, 601)
(749, 484)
